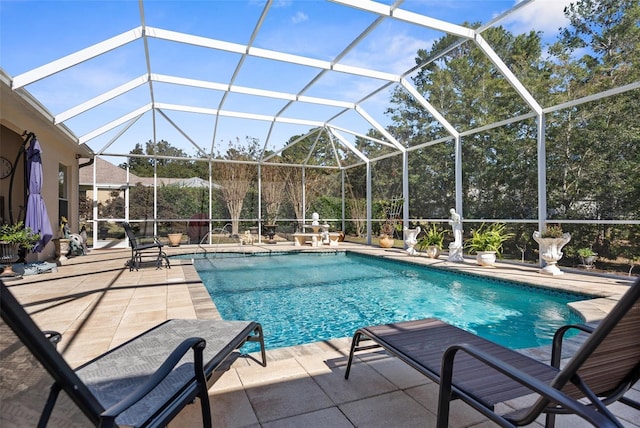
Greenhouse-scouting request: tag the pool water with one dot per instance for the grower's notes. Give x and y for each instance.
(304, 298)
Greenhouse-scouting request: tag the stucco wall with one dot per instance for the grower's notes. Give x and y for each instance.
(17, 116)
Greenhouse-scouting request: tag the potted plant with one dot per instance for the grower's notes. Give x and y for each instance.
(486, 242)
(551, 240)
(12, 238)
(587, 257)
(385, 240)
(432, 241)
(390, 210)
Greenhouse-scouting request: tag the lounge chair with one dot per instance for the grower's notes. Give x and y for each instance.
(139, 249)
(482, 373)
(143, 382)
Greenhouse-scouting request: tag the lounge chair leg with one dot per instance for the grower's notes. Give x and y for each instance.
(550, 420)
(48, 408)
(354, 343)
(202, 386)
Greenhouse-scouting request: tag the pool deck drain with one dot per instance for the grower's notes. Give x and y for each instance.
(97, 304)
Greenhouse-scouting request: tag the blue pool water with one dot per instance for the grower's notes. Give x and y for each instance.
(303, 298)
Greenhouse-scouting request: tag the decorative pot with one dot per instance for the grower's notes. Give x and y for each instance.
(9, 254)
(65, 246)
(587, 262)
(433, 251)
(486, 258)
(386, 242)
(175, 239)
(550, 251)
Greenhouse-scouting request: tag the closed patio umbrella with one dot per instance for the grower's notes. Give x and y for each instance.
(37, 218)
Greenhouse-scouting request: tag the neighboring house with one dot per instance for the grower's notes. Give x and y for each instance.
(20, 113)
(110, 177)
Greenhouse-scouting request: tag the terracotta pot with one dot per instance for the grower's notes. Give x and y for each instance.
(175, 239)
(386, 242)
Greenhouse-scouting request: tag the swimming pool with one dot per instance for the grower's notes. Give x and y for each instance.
(310, 297)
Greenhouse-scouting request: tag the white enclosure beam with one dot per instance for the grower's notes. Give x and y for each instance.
(411, 17)
(75, 58)
(265, 53)
(380, 128)
(427, 105)
(96, 101)
(113, 124)
(504, 70)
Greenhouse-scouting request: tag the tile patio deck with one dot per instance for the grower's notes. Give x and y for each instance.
(97, 303)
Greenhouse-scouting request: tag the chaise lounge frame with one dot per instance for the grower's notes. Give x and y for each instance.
(146, 381)
(482, 373)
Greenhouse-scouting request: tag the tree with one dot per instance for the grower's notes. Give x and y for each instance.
(161, 154)
(499, 170)
(593, 148)
(274, 182)
(236, 178)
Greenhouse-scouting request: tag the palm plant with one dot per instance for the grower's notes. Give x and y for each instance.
(488, 238)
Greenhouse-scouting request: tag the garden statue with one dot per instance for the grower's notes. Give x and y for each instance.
(411, 239)
(455, 248)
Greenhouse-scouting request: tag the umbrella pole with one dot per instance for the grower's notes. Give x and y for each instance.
(29, 137)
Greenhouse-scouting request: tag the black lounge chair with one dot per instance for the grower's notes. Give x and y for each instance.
(482, 373)
(143, 382)
(139, 249)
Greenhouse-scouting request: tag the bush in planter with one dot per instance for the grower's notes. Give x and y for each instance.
(587, 256)
(12, 238)
(19, 235)
(488, 238)
(552, 232)
(432, 238)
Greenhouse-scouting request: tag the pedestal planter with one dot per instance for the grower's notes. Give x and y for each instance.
(550, 251)
(8, 256)
(410, 239)
(63, 252)
(175, 239)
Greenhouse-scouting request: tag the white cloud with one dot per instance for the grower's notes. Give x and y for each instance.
(299, 17)
(540, 15)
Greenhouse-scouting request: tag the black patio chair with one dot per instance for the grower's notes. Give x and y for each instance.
(146, 381)
(139, 249)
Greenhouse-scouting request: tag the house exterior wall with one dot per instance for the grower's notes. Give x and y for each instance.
(17, 115)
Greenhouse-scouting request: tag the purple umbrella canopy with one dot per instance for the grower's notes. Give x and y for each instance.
(37, 218)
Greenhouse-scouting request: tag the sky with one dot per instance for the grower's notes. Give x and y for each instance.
(33, 33)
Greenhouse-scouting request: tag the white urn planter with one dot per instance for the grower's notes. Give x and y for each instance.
(550, 251)
(486, 258)
(410, 239)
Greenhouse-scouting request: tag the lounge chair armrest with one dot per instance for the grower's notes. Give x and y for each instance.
(558, 337)
(552, 394)
(198, 344)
